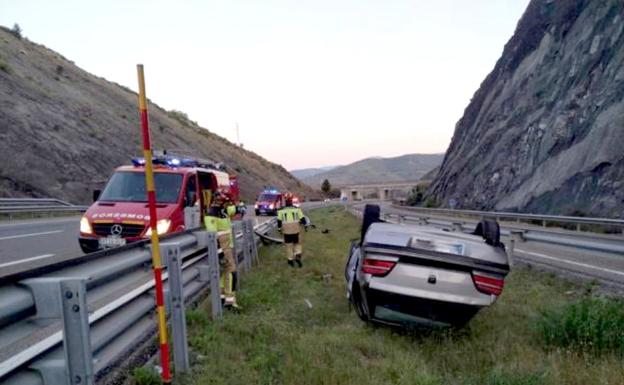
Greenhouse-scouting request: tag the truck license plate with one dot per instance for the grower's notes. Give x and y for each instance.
(110, 242)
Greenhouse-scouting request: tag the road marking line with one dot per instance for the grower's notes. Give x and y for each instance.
(26, 260)
(31, 235)
(572, 262)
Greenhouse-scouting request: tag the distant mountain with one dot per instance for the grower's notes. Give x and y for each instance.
(309, 172)
(409, 167)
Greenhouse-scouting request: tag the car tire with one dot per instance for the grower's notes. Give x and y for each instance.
(257, 213)
(490, 231)
(371, 215)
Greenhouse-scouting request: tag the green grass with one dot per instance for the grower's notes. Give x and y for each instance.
(278, 339)
(145, 376)
(591, 325)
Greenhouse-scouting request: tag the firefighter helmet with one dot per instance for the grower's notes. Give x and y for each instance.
(288, 198)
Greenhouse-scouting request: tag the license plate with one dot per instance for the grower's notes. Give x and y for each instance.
(262, 210)
(110, 242)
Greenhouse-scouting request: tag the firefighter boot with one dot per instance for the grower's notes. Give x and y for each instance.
(298, 255)
(289, 254)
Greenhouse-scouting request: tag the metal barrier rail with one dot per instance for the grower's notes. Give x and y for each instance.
(32, 202)
(578, 221)
(577, 240)
(32, 209)
(12, 206)
(73, 323)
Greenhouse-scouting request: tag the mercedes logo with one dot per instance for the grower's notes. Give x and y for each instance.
(116, 229)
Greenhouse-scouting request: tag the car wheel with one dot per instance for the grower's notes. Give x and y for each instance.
(490, 231)
(371, 215)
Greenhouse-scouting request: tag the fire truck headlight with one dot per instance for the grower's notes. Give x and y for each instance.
(162, 227)
(85, 226)
(271, 206)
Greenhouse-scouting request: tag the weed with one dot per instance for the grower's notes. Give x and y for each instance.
(145, 376)
(591, 325)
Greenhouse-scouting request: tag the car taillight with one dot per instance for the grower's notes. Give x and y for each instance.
(377, 267)
(488, 283)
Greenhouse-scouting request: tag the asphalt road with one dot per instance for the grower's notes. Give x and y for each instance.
(38, 239)
(44, 241)
(564, 260)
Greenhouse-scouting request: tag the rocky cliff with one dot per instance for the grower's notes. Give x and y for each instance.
(63, 130)
(545, 131)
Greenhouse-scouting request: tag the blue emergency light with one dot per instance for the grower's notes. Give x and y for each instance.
(271, 190)
(173, 161)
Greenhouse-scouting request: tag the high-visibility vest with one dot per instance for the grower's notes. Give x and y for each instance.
(221, 224)
(290, 217)
(289, 214)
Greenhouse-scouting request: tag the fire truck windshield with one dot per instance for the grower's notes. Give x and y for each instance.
(267, 197)
(130, 187)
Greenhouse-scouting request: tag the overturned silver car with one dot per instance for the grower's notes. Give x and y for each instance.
(402, 274)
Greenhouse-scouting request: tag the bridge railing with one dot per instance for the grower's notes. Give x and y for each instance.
(72, 323)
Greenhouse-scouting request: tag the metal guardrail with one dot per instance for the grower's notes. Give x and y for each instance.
(12, 206)
(32, 202)
(73, 323)
(583, 240)
(499, 216)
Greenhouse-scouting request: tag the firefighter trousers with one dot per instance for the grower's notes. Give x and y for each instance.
(292, 243)
(228, 271)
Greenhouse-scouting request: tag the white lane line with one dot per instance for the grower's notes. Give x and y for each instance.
(19, 262)
(31, 235)
(610, 271)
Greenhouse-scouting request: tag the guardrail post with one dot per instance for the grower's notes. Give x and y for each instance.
(247, 230)
(458, 226)
(516, 236)
(236, 249)
(252, 239)
(213, 263)
(76, 338)
(178, 314)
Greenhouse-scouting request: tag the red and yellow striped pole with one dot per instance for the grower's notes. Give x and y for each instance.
(151, 202)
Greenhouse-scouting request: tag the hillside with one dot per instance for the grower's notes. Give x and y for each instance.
(309, 172)
(545, 131)
(63, 130)
(409, 167)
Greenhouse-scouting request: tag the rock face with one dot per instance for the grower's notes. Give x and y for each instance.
(545, 131)
(63, 131)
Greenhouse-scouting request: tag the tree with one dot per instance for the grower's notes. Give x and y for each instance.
(17, 31)
(326, 187)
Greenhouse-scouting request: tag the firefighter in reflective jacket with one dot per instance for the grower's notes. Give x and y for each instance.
(289, 221)
(219, 220)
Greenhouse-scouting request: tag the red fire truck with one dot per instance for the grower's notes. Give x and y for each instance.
(120, 213)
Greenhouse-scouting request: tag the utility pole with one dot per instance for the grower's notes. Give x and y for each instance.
(238, 135)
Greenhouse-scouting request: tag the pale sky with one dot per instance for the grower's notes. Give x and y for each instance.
(310, 82)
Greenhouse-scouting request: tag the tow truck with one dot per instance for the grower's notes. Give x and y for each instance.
(184, 189)
(269, 201)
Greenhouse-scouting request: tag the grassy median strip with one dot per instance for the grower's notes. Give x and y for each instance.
(296, 328)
